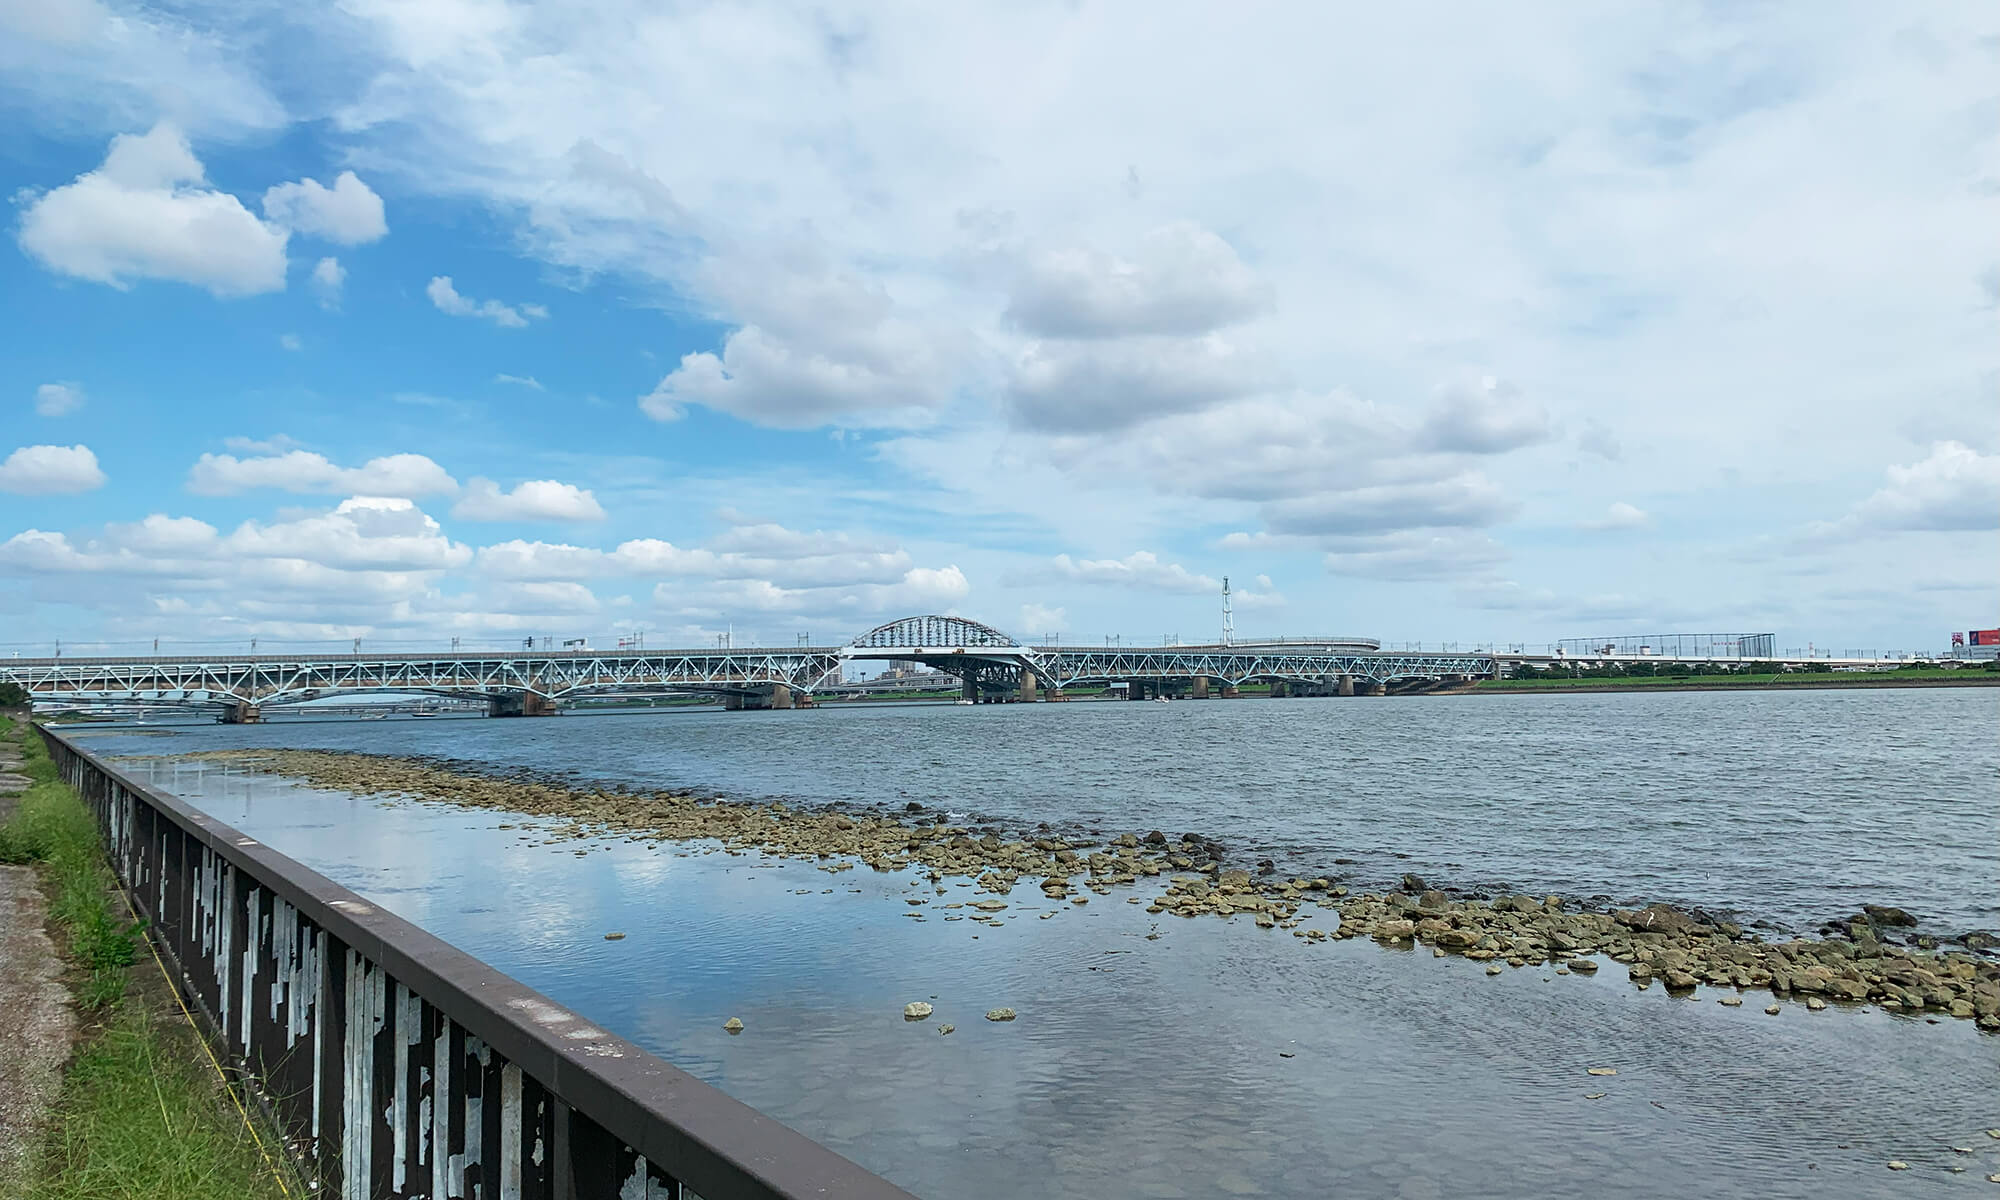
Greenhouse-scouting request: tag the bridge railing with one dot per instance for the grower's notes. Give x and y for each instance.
(398, 1066)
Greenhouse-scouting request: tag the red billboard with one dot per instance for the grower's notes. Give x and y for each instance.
(1984, 637)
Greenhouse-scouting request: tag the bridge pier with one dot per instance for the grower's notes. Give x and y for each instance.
(1201, 687)
(1378, 688)
(1347, 685)
(242, 712)
(1280, 689)
(781, 696)
(1027, 695)
(520, 704)
(1231, 692)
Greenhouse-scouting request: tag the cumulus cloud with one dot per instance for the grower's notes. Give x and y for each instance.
(327, 279)
(50, 471)
(526, 381)
(507, 316)
(1142, 569)
(362, 533)
(1095, 387)
(148, 213)
(302, 471)
(58, 399)
(1466, 500)
(1486, 416)
(531, 500)
(349, 212)
(1953, 489)
(1184, 280)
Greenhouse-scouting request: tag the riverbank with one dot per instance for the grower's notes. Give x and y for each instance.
(105, 1089)
(1188, 876)
(1731, 683)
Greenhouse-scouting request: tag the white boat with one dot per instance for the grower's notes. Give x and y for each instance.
(962, 702)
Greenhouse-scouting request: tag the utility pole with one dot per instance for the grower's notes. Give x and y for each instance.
(1228, 617)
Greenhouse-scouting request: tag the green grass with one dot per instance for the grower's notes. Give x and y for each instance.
(52, 827)
(142, 1117)
(142, 1112)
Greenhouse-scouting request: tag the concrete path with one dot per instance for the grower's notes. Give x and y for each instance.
(37, 1023)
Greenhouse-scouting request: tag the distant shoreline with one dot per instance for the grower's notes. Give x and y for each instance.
(1717, 683)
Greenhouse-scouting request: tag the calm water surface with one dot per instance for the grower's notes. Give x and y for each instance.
(1157, 1065)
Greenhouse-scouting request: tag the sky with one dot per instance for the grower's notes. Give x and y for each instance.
(416, 320)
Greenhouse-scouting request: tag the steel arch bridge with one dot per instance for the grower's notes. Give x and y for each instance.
(992, 663)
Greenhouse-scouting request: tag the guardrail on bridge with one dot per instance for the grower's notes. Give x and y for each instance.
(398, 1066)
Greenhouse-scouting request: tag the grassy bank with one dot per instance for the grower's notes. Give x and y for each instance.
(142, 1112)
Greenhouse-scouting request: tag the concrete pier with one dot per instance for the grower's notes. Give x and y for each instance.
(1347, 685)
(243, 712)
(1027, 694)
(1280, 689)
(1378, 689)
(1201, 687)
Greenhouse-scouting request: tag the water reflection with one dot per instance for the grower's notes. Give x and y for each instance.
(1147, 1065)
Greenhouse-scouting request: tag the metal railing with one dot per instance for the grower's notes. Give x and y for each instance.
(397, 1066)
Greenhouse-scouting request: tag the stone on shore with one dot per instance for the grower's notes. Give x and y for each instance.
(733, 1025)
(997, 1014)
(916, 1010)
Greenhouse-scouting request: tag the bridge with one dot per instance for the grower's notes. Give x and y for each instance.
(990, 667)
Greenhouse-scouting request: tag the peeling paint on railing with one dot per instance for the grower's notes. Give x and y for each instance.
(399, 1067)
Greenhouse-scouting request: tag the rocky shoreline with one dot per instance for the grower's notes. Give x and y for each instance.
(1656, 944)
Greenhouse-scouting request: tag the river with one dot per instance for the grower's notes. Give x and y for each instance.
(1156, 1056)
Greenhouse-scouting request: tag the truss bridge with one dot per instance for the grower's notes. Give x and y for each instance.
(989, 665)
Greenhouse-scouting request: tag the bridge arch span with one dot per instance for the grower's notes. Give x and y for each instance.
(934, 631)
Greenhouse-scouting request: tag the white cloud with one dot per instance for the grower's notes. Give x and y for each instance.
(290, 341)
(1415, 555)
(1142, 569)
(1487, 416)
(1954, 489)
(349, 212)
(363, 533)
(1467, 500)
(526, 381)
(305, 472)
(514, 316)
(147, 213)
(1183, 281)
(327, 279)
(58, 399)
(1040, 621)
(531, 500)
(277, 443)
(1091, 387)
(1619, 516)
(50, 471)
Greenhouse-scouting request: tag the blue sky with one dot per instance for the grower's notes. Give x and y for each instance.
(454, 318)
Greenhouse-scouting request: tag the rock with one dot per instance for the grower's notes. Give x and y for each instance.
(1897, 1164)
(1656, 918)
(1415, 883)
(1815, 1004)
(1883, 915)
(1595, 1095)
(988, 905)
(1731, 1001)
(1156, 838)
(1979, 940)
(1602, 1071)
(1494, 969)
(614, 937)
(945, 1028)
(1772, 1010)
(916, 1010)
(1395, 931)
(1582, 966)
(1639, 971)
(733, 1025)
(1680, 981)
(1000, 1014)
(1433, 901)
